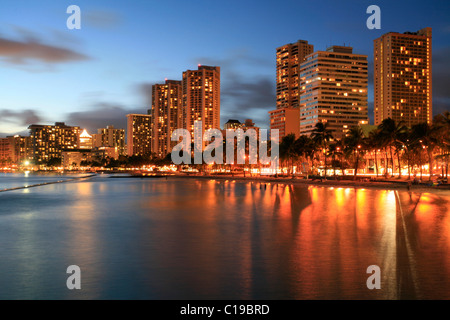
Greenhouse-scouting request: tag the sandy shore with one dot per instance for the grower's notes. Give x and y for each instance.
(381, 184)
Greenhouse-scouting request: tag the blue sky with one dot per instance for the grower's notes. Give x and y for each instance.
(94, 76)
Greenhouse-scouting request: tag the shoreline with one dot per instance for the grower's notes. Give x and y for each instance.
(380, 185)
(390, 185)
(46, 183)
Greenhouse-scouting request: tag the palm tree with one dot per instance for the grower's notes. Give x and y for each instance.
(335, 149)
(426, 136)
(391, 133)
(322, 135)
(408, 149)
(442, 124)
(375, 143)
(305, 149)
(288, 152)
(354, 143)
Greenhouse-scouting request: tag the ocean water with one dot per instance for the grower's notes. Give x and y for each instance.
(212, 239)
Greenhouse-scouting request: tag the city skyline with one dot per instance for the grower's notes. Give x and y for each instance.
(88, 85)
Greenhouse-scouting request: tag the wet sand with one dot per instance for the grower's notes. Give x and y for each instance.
(396, 184)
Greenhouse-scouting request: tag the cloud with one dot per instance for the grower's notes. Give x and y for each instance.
(236, 58)
(245, 91)
(145, 89)
(20, 133)
(20, 52)
(101, 115)
(248, 98)
(23, 117)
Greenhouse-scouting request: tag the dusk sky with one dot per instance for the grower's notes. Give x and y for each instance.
(94, 76)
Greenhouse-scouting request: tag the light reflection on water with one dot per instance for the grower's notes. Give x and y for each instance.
(200, 239)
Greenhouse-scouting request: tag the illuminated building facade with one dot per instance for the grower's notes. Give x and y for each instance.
(138, 135)
(48, 141)
(166, 115)
(289, 58)
(286, 121)
(73, 159)
(21, 148)
(100, 153)
(232, 124)
(85, 140)
(286, 117)
(403, 77)
(6, 151)
(14, 149)
(201, 99)
(335, 90)
(110, 137)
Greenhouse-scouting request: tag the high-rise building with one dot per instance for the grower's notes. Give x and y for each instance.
(48, 141)
(138, 135)
(335, 90)
(286, 121)
(110, 137)
(6, 151)
(201, 99)
(14, 149)
(289, 58)
(286, 116)
(403, 77)
(166, 115)
(21, 146)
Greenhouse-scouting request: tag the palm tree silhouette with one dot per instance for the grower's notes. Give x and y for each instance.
(322, 136)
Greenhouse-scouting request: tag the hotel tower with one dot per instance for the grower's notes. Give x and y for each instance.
(165, 115)
(138, 135)
(201, 99)
(402, 77)
(286, 116)
(334, 85)
(48, 141)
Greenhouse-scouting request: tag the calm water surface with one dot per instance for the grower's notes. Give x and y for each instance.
(199, 239)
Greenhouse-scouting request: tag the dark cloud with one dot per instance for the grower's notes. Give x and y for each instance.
(244, 96)
(20, 133)
(145, 89)
(22, 51)
(23, 117)
(247, 98)
(234, 59)
(101, 115)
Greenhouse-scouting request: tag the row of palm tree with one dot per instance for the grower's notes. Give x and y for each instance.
(391, 142)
